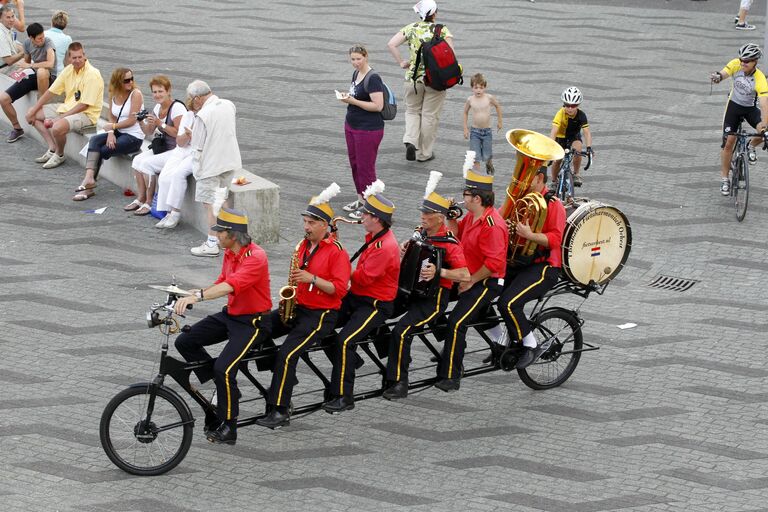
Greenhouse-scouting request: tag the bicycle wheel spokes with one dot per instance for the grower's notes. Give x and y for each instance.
(560, 335)
(740, 187)
(140, 446)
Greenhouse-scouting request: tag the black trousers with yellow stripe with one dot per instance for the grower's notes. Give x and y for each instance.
(524, 285)
(310, 327)
(244, 332)
(420, 313)
(471, 305)
(359, 316)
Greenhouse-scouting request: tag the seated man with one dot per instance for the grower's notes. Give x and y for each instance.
(371, 298)
(320, 271)
(10, 52)
(422, 310)
(244, 320)
(529, 280)
(60, 40)
(483, 236)
(83, 90)
(40, 58)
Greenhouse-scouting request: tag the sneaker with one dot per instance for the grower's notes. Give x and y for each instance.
(744, 26)
(206, 250)
(410, 151)
(14, 135)
(752, 156)
(54, 161)
(353, 206)
(725, 187)
(356, 215)
(171, 221)
(577, 180)
(46, 156)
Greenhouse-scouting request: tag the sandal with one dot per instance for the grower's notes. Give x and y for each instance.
(82, 196)
(144, 210)
(83, 188)
(133, 205)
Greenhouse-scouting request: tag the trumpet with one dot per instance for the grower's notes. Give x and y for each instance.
(335, 230)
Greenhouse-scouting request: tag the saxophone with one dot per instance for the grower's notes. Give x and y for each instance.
(287, 305)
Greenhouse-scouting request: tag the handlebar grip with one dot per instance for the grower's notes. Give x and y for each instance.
(589, 161)
(189, 306)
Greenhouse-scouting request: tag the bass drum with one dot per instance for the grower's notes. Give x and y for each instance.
(596, 243)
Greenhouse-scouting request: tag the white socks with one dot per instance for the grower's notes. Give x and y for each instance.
(529, 340)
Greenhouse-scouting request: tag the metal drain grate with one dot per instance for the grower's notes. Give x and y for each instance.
(671, 283)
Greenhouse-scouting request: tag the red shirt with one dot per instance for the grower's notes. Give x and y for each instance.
(554, 225)
(247, 272)
(378, 269)
(454, 256)
(485, 242)
(329, 262)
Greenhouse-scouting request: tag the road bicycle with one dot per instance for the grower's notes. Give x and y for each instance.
(564, 182)
(739, 170)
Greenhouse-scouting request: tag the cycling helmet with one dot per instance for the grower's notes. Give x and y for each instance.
(750, 51)
(572, 96)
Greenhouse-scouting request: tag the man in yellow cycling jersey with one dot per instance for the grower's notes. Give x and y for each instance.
(749, 86)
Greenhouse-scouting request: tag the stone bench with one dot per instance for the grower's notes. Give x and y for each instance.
(260, 198)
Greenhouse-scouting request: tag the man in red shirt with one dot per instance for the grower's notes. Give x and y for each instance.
(530, 280)
(322, 278)
(371, 298)
(421, 310)
(244, 279)
(484, 238)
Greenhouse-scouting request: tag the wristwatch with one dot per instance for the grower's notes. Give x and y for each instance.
(199, 295)
(163, 126)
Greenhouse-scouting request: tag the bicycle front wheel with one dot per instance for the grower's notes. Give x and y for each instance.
(558, 362)
(740, 187)
(146, 447)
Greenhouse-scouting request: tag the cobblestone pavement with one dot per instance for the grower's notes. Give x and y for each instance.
(667, 416)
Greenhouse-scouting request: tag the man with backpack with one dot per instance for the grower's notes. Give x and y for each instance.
(426, 78)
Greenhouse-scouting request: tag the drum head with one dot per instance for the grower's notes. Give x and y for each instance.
(596, 243)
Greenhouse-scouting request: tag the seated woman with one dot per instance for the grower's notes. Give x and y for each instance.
(123, 133)
(172, 183)
(163, 120)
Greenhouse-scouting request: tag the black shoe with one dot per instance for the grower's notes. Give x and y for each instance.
(527, 357)
(275, 419)
(410, 151)
(222, 435)
(339, 404)
(396, 391)
(448, 385)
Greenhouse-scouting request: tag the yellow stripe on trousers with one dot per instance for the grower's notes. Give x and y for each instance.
(456, 329)
(509, 304)
(344, 346)
(405, 332)
(288, 359)
(226, 374)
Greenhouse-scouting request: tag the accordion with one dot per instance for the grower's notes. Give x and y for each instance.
(418, 253)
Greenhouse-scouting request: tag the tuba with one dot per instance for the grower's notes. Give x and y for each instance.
(533, 151)
(287, 306)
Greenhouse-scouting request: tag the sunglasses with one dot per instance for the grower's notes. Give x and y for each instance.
(127, 80)
(467, 194)
(77, 95)
(746, 61)
(568, 105)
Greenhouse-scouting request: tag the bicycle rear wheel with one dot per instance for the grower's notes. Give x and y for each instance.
(141, 447)
(559, 361)
(740, 187)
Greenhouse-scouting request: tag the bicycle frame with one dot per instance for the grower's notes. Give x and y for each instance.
(565, 175)
(180, 371)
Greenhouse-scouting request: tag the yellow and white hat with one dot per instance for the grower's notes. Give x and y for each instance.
(319, 206)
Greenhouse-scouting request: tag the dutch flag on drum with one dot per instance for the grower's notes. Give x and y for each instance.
(595, 252)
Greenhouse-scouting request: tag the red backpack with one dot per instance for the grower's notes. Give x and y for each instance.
(441, 69)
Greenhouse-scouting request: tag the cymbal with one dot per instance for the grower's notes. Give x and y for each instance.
(171, 289)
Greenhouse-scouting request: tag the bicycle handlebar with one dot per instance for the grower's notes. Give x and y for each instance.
(588, 154)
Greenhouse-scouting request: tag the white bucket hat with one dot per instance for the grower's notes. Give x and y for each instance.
(425, 8)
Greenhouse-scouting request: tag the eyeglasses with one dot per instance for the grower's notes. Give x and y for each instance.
(127, 80)
(746, 61)
(568, 105)
(467, 194)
